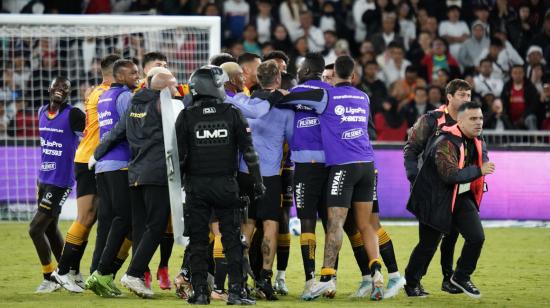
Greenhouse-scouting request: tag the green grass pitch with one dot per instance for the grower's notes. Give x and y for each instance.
(513, 271)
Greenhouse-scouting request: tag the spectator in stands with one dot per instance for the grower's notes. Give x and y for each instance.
(502, 58)
(373, 87)
(534, 57)
(481, 12)
(330, 42)
(484, 83)
(545, 103)
(442, 78)
(250, 42)
(267, 48)
(330, 19)
(41, 78)
(360, 7)
(439, 59)
(390, 124)
(236, 15)
(394, 70)
(212, 9)
(20, 68)
(472, 47)
(281, 40)
(264, 21)
(236, 49)
(454, 30)
(542, 39)
(417, 106)
(496, 118)
(520, 30)
(25, 123)
(4, 121)
(298, 54)
(314, 35)
(537, 72)
(289, 14)
(406, 24)
(435, 96)
(520, 100)
(501, 16)
(430, 27)
(419, 48)
(389, 33)
(404, 91)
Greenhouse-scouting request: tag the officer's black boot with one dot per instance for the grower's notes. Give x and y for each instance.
(447, 286)
(201, 295)
(264, 285)
(239, 296)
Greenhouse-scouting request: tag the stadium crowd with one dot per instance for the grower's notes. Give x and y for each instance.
(407, 50)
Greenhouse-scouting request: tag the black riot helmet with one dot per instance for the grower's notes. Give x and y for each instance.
(208, 81)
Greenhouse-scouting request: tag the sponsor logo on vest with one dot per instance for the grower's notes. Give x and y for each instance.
(339, 110)
(353, 119)
(47, 143)
(308, 122)
(208, 110)
(337, 182)
(51, 129)
(105, 122)
(347, 96)
(138, 115)
(206, 134)
(104, 114)
(353, 133)
(47, 166)
(299, 195)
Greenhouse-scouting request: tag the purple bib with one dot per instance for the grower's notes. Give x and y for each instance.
(344, 127)
(58, 145)
(108, 117)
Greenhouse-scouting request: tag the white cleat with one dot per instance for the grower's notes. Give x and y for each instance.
(77, 277)
(394, 285)
(306, 295)
(326, 288)
(67, 282)
(137, 286)
(377, 286)
(47, 286)
(280, 287)
(364, 290)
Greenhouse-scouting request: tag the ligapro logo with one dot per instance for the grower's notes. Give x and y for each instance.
(353, 133)
(339, 110)
(308, 122)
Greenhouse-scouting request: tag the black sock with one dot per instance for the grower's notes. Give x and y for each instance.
(47, 276)
(166, 244)
(283, 251)
(76, 262)
(221, 273)
(386, 251)
(70, 254)
(308, 245)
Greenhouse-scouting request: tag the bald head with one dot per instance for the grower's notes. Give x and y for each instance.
(159, 78)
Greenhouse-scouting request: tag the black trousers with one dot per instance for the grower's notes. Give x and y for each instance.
(150, 213)
(466, 221)
(447, 249)
(104, 219)
(221, 194)
(115, 198)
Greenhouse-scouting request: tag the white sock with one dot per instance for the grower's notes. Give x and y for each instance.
(281, 275)
(394, 275)
(367, 278)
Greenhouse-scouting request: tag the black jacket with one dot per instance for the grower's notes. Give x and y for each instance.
(432, 194)
(142, 127)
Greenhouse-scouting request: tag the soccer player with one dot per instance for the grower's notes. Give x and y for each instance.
(269, 133)
(68, 272)
(236, 78)
(447, 194)
(458, 92)
(60, 126)
(250, 62)
(112, 177)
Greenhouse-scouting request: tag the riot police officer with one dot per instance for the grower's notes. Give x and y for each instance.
(210, 136)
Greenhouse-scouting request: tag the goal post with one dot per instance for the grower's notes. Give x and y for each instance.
(36, 48)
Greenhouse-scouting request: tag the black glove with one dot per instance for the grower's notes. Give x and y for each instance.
(259, 190)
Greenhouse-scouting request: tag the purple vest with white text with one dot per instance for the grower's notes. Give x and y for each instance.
(108, 117)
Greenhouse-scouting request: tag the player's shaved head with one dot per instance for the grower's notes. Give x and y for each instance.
(221, 58)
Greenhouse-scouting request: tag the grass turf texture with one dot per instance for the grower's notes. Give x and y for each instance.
(512, 272)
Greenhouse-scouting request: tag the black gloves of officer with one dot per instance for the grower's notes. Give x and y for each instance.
(259, 190)
(252, 162)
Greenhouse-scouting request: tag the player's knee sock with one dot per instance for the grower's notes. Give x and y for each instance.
(386, 250)
(308, 244)
(327, 273)
(47, 270)
(221, 264)
(359, 252)
(76, 261)
(122, 255)
(74, 247)
(283, 251)
(375, 265)
(166, 245)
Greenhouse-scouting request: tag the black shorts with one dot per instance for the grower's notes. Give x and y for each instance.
(268, 207)
(85, 180)
(51, 198)
(375, 208)
(350, 183)
(310, 182)
(287, 182)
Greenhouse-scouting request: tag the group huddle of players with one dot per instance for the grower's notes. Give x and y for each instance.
(314, 152)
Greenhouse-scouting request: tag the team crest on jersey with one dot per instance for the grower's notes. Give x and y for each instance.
(208, 110)
(307, 122)
(353, 133)
(339, 110)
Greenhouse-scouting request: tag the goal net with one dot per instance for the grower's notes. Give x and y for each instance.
(36, 48)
